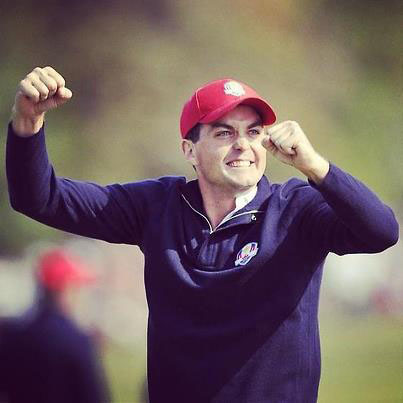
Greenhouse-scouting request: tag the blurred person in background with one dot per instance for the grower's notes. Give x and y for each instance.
(233, 263)
(44, 356)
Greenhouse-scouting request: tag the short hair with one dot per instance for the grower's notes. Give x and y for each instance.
(194, 133)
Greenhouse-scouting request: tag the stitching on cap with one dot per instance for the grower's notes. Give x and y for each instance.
(197, 102)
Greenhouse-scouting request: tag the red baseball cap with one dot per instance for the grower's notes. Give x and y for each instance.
(216, 98)
(57, 270)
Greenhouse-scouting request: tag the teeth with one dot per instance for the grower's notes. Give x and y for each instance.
(239, 163)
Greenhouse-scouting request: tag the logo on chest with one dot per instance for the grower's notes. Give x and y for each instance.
(246, 254)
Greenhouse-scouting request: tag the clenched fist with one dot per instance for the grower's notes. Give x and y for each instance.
(41, 90)
(289, 144)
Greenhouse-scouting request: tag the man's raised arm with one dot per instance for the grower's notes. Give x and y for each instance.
(112, 213)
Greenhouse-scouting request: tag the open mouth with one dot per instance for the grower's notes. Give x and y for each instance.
(240, 164)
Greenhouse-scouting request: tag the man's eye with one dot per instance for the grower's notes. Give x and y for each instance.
(254, 132)
(223, 133)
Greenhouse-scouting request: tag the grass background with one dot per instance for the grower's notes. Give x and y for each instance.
(362, 360)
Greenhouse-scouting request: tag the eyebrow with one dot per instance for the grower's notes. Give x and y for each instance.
(256, 123)
(215, 125)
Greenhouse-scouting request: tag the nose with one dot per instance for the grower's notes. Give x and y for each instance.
(241, 143)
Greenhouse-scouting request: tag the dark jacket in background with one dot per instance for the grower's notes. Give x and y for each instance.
(46, 358)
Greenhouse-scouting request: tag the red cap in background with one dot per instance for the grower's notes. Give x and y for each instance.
(216, 98)
(58, 270)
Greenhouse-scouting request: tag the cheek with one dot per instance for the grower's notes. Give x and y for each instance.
(260, 153)
(208, 158)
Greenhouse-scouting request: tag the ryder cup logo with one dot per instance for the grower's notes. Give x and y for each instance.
(233, 88)
(246, 254)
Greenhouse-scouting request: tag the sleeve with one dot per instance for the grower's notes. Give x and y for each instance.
(113, 213)
(344, 216)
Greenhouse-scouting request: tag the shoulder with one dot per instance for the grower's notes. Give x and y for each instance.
(148, 189)
(67, 335)
(156, 185)
(9, 328)
(291, 186)
(295, 190)
(162, 184)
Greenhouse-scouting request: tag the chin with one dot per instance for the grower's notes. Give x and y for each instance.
(243, 183)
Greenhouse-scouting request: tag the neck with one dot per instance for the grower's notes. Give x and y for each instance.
(218, 202)
(55, 299)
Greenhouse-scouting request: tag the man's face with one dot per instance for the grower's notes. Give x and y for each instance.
(229, 153)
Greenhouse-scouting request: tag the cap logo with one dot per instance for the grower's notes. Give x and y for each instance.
(234, 88)
(246, 254)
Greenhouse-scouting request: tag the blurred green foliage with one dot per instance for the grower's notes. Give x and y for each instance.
(333, 66)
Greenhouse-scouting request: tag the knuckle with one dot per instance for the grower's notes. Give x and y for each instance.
(37, 70)
(32, 76)
(50, 69)
(52, 85)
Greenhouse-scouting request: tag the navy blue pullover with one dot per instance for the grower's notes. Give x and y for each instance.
(224, 325)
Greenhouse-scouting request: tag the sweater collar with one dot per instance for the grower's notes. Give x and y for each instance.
(191, 192)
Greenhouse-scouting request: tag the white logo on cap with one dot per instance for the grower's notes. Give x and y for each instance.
(233, 88)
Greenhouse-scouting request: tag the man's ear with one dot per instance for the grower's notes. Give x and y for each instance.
(188, 148)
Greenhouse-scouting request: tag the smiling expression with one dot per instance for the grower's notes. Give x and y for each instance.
(229, 153)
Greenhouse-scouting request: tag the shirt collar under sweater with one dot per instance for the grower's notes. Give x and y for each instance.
(241, 201)
(252, 202)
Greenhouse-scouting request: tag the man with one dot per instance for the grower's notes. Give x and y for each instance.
(233, 263)
(44, 356)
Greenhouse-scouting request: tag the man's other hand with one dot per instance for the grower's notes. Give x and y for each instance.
(289, 144)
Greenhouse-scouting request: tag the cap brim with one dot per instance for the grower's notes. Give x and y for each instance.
(57, 271)
(262, 107)
(82, 277)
